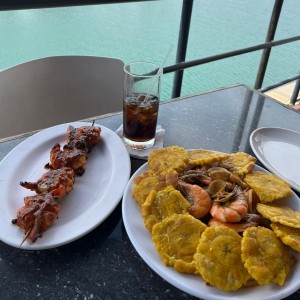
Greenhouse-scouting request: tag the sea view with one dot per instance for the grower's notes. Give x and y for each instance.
(146, 30)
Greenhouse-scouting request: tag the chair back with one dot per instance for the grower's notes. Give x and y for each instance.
(60, 89)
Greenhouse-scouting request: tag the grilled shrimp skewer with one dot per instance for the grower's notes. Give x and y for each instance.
(39, 212)
(83, 138)
(62, 179)
(73, 158)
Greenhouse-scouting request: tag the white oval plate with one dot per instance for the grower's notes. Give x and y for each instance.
(279, 151)
(193, 284)
(94, 197)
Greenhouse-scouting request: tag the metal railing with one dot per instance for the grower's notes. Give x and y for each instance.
(181, 64)
(266, 47)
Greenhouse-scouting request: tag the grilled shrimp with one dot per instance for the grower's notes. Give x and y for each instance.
(83, 138)
(74, 158)
(39, 212)
(61, 180)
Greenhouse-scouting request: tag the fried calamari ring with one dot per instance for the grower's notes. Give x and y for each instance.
(266, 258)
(218, 258)
(176, 239)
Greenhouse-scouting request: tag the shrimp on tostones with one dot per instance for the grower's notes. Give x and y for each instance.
(198, 197)
(176, 239)
(173, 157)
(218, 258)
(162, 204)
(264, 255)
(240, 163)
(62, 179)
(233, 208)
(249, 220)
(268, 187)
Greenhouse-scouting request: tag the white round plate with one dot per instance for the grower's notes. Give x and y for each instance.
(93, 198)
(193, 284)
(279, 151)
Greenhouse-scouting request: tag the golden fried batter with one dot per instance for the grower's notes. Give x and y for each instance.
(288, 235)
(173, 157)
(203, 157)
(218, 258)
(266, 258)
(240, 163)
(162, 204)
(268, 187)
(279, 213)
(176, 239)
(151, 180)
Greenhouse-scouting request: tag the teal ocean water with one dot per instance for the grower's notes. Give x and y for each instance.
(146, 30)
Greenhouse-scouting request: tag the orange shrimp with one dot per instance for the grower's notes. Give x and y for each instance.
(39, 212)
(232, 210)
(238, 227)
(249, 220)
(198, 197)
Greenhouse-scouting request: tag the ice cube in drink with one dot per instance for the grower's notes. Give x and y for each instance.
(140, 120)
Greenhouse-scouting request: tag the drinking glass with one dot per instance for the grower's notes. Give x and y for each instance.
(141, 104)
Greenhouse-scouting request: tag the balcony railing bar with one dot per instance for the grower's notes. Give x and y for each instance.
(295, 93)
(196, 62)
(278, 84)
(270, 37)
(186, 15)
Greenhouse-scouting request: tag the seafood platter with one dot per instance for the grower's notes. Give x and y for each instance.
(215, 225)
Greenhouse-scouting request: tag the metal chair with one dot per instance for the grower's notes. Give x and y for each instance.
(54, 90)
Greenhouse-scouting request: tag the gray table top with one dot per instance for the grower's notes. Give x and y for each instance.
(103, 264)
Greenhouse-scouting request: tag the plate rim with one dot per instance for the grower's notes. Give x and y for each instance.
(120, 154)
(259, 155)
(220, 295)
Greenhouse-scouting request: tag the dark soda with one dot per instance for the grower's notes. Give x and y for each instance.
(140, 117)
